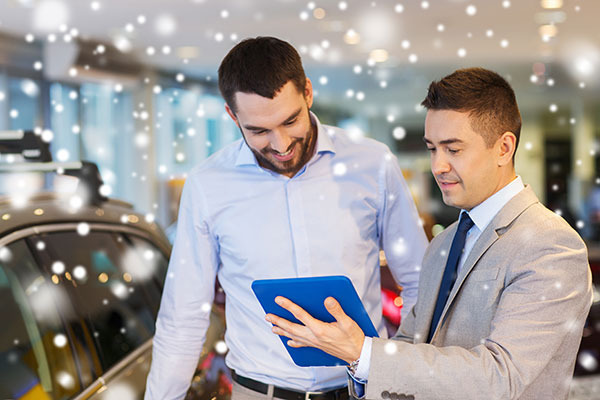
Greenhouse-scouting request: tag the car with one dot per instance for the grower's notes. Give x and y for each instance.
(81, 278)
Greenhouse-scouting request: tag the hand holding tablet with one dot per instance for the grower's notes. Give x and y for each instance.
(310, 294)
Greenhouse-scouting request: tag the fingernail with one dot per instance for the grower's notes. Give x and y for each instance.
(278, 300)
(268, 318)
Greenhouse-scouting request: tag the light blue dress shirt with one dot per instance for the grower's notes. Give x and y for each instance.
(481, 215)
(242, 222)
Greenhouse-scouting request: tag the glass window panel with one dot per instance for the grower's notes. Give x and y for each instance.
(3, 102)
(36, 360)
(64, 120)
(107, 133)
(24, 103)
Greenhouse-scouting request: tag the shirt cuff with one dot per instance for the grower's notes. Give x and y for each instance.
(364, 363)
(358, 387)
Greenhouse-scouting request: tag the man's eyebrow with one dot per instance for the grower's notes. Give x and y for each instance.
(288, 119)
(445, 141)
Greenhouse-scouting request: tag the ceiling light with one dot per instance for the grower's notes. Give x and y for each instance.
(550, 4)
(352, 37)
(548, 30)
(379, 55)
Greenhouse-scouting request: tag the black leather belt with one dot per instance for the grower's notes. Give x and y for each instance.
(288, 394)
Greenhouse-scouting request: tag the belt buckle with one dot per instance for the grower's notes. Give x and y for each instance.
(308, 394)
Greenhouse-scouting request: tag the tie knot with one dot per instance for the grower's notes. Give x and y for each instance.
(465, 222)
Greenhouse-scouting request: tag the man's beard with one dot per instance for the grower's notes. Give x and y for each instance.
(306, 149)
(291, 166)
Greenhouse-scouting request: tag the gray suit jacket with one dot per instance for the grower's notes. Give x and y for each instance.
(513, 322)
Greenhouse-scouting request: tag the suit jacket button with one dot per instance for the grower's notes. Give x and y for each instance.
(385, 394)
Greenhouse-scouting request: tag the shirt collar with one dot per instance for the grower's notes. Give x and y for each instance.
(483, 213)
(324, 144)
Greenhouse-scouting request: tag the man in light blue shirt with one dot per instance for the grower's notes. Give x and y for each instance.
(503, 294)
(294, 198)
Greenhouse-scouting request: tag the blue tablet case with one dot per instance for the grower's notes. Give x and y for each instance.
(310, 293)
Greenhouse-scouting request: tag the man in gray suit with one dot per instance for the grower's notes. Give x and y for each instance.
(503, 294)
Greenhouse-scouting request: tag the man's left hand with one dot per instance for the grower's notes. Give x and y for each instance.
(342, 338)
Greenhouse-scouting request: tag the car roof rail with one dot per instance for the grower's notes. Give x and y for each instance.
(26, 144)
(90, 180)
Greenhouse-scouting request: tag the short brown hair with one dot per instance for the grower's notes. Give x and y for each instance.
(485, 95)
(261, 65)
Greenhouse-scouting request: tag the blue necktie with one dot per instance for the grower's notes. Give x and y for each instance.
(451, 271)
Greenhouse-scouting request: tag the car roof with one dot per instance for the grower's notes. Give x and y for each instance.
(53, 208)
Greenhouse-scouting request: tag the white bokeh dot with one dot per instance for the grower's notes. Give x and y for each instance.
(390, 348)
(60, 340)
(339, 169)
(79, 272)
(83, 228)
(62, 155)
(221, 347)
(399, 133)
(5, 254)
(58, 267)
(588, 360)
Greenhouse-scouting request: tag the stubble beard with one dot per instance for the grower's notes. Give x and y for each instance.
(292, 166)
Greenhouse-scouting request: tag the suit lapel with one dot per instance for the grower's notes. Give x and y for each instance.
(496, 228)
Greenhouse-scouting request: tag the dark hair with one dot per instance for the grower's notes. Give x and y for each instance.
(261, 65)
(485, 95)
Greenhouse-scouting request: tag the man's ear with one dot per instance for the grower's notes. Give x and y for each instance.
(507, 147)
(231, 114)
(308, 93)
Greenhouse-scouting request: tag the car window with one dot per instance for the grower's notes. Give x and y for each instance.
(36, 358)
(113, 284)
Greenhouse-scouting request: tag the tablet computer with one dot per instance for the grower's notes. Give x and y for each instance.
(310, 293)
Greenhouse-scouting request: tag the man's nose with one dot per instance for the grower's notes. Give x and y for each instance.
(439, 164)
(280, 141)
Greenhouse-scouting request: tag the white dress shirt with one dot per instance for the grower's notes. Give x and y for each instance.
(242, 222)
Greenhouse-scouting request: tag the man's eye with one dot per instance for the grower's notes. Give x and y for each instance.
(452, 151)
(432, 149)
(291, 122)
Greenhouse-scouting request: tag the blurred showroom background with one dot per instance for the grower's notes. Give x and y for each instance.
(132, 85)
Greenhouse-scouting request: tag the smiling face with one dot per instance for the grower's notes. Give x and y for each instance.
(278, 130)
(466, 169)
